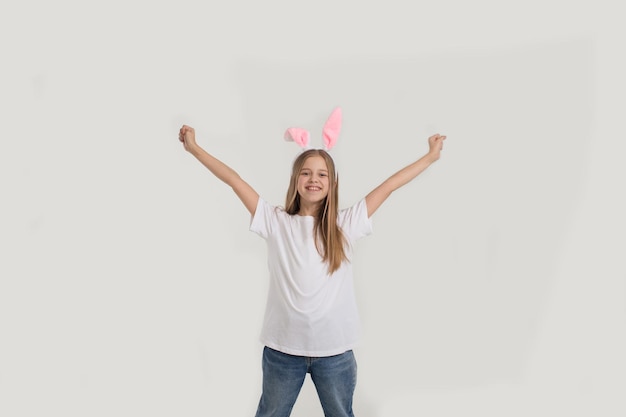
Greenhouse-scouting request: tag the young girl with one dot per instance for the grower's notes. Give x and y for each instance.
(311, 321)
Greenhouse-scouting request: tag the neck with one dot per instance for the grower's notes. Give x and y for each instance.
(308, 209)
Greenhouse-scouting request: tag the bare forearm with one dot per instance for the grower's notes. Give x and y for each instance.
(379, 194)
(408, 173)
(217, 167)
(244, 191)
(375, 198)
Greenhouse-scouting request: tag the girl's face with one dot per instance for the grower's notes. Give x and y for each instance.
(313, 180)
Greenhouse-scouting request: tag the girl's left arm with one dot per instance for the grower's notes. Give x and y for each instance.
(379, 194)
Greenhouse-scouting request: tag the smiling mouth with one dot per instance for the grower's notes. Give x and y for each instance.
(313, 188)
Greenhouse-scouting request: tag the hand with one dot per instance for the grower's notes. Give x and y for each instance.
(187, 136)
(435, 143)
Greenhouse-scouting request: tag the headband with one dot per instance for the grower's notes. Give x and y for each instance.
(330, 132)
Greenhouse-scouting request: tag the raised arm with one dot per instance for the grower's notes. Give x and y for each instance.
(379, 194)
(244, 191)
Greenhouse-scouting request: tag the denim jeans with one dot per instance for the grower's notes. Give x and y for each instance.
(283, 375)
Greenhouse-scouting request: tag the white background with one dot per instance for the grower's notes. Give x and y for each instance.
(494, 284)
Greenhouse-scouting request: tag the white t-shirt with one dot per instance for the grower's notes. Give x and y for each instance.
(308, 312)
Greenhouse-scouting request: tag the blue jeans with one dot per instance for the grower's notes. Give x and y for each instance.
(283, 375)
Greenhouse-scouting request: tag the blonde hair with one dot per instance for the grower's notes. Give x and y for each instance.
(329, 239)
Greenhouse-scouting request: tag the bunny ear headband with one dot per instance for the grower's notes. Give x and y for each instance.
(329, 133)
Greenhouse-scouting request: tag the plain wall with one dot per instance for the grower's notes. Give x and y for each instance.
(494, 284)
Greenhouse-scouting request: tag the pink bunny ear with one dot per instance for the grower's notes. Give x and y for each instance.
(298, 135)
(332, 128)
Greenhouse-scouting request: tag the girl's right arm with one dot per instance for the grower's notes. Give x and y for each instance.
(244, 191)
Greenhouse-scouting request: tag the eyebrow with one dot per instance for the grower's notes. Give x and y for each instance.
(310, 169)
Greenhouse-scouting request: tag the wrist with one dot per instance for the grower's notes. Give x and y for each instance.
(433, 155)
(192, 148)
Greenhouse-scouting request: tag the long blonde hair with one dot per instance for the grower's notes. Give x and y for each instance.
(329, 239)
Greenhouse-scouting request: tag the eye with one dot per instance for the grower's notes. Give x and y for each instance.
(305, 173)
(323, 174)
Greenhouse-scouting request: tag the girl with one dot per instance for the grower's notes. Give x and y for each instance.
(311, 320)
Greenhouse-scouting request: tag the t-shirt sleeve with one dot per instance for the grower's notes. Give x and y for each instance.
(263, 220)
(354, 221)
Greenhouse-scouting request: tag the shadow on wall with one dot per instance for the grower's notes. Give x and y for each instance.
(468, 255)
